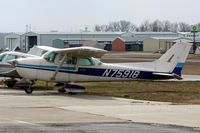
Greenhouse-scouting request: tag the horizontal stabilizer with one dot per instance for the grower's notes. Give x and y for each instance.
(166, 76)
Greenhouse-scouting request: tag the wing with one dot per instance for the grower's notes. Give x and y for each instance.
(82, 52)
(47, 48)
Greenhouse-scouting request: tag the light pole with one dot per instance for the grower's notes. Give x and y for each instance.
(194, 29)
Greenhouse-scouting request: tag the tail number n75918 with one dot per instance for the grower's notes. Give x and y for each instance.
(120, 73)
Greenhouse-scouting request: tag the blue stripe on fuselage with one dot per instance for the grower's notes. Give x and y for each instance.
(45, 67)
(100, 72)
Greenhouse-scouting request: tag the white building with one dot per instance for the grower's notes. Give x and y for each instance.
(13, 40)
(27, 40)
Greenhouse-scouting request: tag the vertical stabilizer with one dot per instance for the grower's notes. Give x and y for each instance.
(173, 60)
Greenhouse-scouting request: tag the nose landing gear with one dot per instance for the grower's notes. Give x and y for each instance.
(26, 85)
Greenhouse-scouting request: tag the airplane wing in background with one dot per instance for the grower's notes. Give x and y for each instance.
(82, 52)
(40, 50)
(11, 73)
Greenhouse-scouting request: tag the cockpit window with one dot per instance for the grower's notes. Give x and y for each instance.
(85, 62)
(50, 56)
(69, 60)
(98, 62)
(2, 56)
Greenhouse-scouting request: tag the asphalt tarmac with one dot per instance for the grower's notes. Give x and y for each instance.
(49, 111)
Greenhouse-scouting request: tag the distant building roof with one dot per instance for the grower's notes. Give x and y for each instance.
(18, 33)
(84, 33)
(149, 33)
(132, 39)
(165, 38)
(93, 39)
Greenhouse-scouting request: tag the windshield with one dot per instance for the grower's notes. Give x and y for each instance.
(85, 62)
(98, 61)
(50, 56)
(2, 56)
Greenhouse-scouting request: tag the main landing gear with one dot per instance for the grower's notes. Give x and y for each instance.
(27, 89)
(69, 88)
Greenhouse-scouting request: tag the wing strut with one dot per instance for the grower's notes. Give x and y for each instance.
(58, 68)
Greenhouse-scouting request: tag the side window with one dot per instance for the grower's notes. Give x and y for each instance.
(50, 56)
(2, 57)
(85, 62)
(10, 57)
(69, 60)
(17, 57)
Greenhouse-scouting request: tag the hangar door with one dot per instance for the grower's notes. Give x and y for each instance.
(32, 40)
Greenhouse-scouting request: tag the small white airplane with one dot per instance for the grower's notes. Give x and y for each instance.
(7, 70)
(79, 65)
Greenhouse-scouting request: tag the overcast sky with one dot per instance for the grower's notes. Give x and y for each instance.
(73, 15)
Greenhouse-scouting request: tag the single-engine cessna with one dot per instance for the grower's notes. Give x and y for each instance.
(79, 64)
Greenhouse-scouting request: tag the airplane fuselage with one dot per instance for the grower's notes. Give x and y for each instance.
(71, 73)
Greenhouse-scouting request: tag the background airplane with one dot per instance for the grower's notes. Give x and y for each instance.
(9, 71)
(79, 65)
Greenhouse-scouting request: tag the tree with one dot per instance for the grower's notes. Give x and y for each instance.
(184, 27)
(174, 27)
(97, 28)
(145, 26)
(117, 26)
(124, 25)
(166, 26)
(114, 26)
(156, 26)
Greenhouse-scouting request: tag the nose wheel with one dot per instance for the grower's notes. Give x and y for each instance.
(26, 85)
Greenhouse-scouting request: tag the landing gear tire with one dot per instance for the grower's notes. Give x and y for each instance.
(72, 93)
(28, 90)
